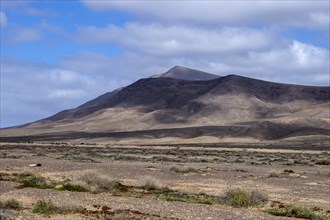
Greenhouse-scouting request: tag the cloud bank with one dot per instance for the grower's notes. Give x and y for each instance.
(312, 14)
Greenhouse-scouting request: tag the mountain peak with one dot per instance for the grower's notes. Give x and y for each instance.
(179, 68)
(180, 72)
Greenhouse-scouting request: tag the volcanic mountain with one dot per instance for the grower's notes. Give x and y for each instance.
(190, 106)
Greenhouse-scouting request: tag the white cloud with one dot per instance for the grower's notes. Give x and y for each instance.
(32, 11)
(23, 35)
(159, 39)
(297, 56)
(26, 8)
(63, 76)
(293, 62)
(18, 34)
(66, 93)
(42, 90)
(290, 13)
(3, 19)
(259, 53)
(308, 55)
(321, 19)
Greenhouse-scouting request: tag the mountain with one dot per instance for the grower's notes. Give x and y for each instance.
(179, 72)
(169, 109)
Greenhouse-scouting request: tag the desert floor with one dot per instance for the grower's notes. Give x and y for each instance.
(196, 176)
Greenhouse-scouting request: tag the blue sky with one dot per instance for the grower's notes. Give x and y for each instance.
(59, 54)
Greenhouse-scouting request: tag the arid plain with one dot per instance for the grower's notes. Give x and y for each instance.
(161, 182)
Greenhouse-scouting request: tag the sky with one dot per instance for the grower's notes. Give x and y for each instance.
(57, 55)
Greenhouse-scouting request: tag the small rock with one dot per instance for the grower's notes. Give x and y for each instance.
(58, 186)
(7, 214)
(35, 165)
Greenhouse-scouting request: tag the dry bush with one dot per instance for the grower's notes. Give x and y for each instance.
(183, 169)
(150, 183)
(241, 198)
(323, 162)
(274, 175)
(96, 182)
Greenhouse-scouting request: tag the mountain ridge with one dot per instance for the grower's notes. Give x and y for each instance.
(135, 88)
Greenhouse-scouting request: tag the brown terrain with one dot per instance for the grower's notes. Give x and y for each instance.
(175, 146)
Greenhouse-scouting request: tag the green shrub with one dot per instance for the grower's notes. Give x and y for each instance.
(241, 198)
(11, 204)
(73, 187)
(35, 181)
(206, 201)
(296, 212)
(45, 208)
(4, 176)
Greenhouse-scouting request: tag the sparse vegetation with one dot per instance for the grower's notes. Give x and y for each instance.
(44, 207)
(241, 198)
(296, 212)
(323, 162)
(97, 182)
(26, 179)
(73, 187)
(47, 208)
(179, 168)
(10, 204)
(183, 170)
(149, 183)
(274, 175)
(172, 195)
(35, 181)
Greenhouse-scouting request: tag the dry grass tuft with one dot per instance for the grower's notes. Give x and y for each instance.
(97, 182)
(150, 183)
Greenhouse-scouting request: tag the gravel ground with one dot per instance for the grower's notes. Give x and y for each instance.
(178, 210)
(308, 186)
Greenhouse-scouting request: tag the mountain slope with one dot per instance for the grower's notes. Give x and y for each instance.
(165, 93)
(231, 106)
